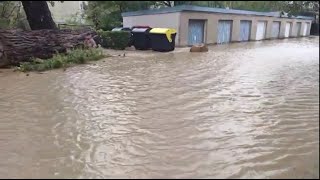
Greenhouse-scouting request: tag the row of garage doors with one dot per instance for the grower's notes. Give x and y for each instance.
(196, 30)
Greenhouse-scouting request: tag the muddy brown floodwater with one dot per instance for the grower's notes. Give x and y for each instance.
(244, 110)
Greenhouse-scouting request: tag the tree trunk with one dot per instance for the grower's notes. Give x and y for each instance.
(20, 46)
(38, 15)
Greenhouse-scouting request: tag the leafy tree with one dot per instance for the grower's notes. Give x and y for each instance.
(107, 14)
(37, 13)
(296, 7)
(9, 13)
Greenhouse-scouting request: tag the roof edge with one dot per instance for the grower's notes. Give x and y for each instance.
(181, 8)
(153, 11)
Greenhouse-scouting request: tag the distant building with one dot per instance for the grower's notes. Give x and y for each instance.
(67, 10)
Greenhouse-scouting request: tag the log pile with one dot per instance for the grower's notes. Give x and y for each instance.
(20, 46)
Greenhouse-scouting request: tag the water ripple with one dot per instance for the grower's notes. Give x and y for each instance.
(245, 110)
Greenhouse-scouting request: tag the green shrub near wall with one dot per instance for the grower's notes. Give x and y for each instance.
(114, 39)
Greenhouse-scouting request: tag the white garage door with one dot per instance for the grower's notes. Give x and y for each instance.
(245, 30)
(224, 31)
(275, 29)
(261, 30)
(305, 28)
(298, 29)
(196, 32)
(288, 29)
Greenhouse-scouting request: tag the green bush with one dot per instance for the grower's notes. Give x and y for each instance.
(107, 21)
(114, 39)
(77, 56)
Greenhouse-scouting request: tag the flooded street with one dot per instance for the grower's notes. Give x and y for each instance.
(243, 110)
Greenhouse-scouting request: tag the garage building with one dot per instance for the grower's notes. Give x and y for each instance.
(195, 24)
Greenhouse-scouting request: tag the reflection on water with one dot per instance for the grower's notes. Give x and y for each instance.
(245, 110)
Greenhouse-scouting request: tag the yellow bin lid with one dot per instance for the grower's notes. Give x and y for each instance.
(166, 31)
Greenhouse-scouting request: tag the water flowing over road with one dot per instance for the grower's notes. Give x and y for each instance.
(242, 110)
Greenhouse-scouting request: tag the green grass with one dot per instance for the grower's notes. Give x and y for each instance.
(77, 56)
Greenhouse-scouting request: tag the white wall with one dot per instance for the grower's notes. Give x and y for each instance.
(180, 21)
(65, 10)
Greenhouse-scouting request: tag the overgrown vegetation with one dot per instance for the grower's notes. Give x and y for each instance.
(12, 16)
(107, 14)
(77, 56)
(114, 39)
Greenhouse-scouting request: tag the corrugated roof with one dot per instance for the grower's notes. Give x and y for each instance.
(207, 10)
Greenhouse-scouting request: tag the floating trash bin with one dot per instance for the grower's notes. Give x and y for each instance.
(162, 39)
(141, 40)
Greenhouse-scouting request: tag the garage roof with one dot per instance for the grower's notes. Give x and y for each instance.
(206, 10)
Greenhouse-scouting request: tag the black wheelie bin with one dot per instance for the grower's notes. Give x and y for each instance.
(162, 39)
(140, 36)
